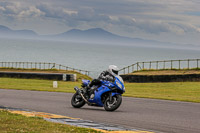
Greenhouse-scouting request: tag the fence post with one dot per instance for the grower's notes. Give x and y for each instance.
(143, 65)
(128, 69)
(179, 64)
(188, 64)
(44, 65)
(137, 66)
(133, 68)
(124, 70)
(156, 65)
(150, 65)
(164, 65)
(40, 65)
(171, 64)
(197, 63)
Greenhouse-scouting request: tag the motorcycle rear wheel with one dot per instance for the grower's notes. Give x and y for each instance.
(77, 101)
(113, 104)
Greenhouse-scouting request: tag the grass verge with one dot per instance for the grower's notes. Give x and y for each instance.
(17, 123)
(166, 72)
(37, 85)
(179, 91)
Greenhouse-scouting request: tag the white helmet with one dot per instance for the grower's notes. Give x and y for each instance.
(113, 69)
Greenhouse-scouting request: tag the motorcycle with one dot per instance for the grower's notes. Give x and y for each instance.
(107, 94)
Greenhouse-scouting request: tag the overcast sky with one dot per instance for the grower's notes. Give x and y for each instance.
(175, 21)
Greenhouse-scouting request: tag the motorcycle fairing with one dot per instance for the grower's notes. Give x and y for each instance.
(85, 82)
(98, 93)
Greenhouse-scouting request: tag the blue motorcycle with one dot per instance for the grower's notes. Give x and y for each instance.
(107, 94)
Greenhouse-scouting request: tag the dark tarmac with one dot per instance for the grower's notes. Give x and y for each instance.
(134, 113)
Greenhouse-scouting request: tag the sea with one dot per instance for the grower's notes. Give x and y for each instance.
(87, 56)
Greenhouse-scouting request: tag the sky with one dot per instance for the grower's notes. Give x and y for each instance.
(176, 21)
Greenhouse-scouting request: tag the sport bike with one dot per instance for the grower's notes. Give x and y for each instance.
(107, 94)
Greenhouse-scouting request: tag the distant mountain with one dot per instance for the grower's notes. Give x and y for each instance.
(7, 32)
(98, 35)
(90, 35)
(94, 36)
(95, 32)
(4, 28)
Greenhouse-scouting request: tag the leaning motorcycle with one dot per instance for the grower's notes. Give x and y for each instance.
(107, 94)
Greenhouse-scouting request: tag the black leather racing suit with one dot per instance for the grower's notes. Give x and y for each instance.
(105, 75)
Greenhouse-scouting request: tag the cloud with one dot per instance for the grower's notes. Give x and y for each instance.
(31, 12)
(153, 17)
(16, 10)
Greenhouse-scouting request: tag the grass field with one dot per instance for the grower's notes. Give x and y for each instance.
(14, 123)
(166, 72)
(179, 91)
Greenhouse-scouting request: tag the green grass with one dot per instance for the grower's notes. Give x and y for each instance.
(179, 91)
(37, 85)
(17, 123)
(166, 71)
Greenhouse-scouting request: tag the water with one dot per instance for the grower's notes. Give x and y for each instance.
(95, 58)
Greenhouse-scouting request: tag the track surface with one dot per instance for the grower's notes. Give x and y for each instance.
(137, 113)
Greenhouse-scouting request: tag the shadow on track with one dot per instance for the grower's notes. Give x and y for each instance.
(96, 109)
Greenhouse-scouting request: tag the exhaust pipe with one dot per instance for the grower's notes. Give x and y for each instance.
(79, 92)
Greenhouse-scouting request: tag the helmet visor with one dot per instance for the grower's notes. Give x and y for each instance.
(114, 71)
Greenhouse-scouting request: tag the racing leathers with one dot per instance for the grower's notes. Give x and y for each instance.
(105, 75)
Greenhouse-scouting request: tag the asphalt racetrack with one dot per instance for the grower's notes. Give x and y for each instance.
(135, 113)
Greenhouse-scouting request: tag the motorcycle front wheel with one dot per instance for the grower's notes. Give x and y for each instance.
(113, 104)
(77, 101)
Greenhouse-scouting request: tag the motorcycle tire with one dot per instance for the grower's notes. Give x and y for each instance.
(113, 104)
(77, 101)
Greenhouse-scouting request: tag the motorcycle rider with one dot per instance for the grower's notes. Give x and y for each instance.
(108, 75)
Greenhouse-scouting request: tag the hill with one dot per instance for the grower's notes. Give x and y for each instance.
(94, 36)
(7, 32)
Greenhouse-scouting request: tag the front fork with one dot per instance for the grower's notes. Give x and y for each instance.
(110, 97)
(112, 94)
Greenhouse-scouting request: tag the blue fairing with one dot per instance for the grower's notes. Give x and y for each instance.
(115, 93)
(104, 88)
(117, 80)
(85, 82)
(101, 90)
(97, 99)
